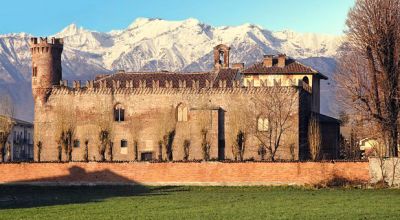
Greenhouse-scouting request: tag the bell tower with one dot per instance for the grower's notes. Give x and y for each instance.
(221, 56)
(46, 66)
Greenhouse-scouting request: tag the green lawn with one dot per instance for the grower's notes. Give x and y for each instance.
(128, 202)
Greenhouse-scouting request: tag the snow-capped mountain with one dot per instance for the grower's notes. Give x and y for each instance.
(155, 44)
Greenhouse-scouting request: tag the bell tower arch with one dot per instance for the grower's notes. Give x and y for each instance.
(221, 56)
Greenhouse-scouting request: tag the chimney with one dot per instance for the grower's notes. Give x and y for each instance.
(281, 60)
(239, 66)
(267, 60)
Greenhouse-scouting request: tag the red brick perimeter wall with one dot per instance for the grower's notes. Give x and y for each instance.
(210, 173)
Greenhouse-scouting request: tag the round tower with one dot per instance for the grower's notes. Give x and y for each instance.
(46, 66)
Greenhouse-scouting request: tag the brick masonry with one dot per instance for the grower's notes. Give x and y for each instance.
(206, 173)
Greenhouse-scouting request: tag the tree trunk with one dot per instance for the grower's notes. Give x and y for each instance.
(2, 152)
(393, 142)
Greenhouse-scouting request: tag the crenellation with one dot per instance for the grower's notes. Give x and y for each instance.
(155, 84)
(182, 83)
(142, 83)
(208, 84)
(222, 83)
(77, 84)
(64, 83)
(177, 91)
(89, 84)
(116, 84)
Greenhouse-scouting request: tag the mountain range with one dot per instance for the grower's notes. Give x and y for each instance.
(156, 44)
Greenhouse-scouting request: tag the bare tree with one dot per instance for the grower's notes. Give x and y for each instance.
(38, 140)
(87, 133)
(205, 144)
(86, 151)
(65, 123)
(166, 131)
(135, 126)
(314, 137)
(6, 125)
(105, 126)
(186, 149)
(241, 123)
(205, 125)
(276, 109)
(369, 67)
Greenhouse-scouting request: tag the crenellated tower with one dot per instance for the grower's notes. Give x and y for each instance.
(46, 66)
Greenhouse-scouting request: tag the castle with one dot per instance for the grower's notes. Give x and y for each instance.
(233, 112)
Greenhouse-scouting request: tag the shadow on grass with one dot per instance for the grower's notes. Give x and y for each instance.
(59, 191)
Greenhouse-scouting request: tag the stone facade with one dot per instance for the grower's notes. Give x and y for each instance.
(164, 115)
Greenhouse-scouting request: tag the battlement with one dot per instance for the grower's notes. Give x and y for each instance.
(44, 42)
(119, 87)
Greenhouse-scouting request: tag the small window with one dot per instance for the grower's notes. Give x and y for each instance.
(119, 113)
(124, 147)
(182, 112)
(262, 124)
(124, 143)
(77, 143)
(34, 71)
(146, 156)
(305, 79)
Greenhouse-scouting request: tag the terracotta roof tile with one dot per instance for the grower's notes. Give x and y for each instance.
(163, 77)
(292, 66)
(227, 75)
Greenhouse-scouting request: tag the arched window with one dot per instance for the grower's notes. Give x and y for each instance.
(119, 113)
(262, 124)
(182, 112)
(305, 79)
(221, 57)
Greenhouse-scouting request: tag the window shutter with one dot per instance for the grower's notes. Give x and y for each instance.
(180, 118)
(116, 115)
(260, 124)
(122, 115)
(185, 114)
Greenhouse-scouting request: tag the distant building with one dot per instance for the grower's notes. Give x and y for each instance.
(176, 116)
(374, 147)
(20, 141)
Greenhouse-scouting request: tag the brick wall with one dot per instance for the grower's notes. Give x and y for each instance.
(210, 173)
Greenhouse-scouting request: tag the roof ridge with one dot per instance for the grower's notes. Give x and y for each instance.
(306, 66)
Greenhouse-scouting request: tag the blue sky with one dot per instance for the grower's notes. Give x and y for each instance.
(45, 17)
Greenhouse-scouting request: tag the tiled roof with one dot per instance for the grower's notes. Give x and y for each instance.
(227, 75)
(291, 67)
(163, 77)
(18, 121)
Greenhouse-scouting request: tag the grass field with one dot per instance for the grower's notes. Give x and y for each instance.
(138, 202)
